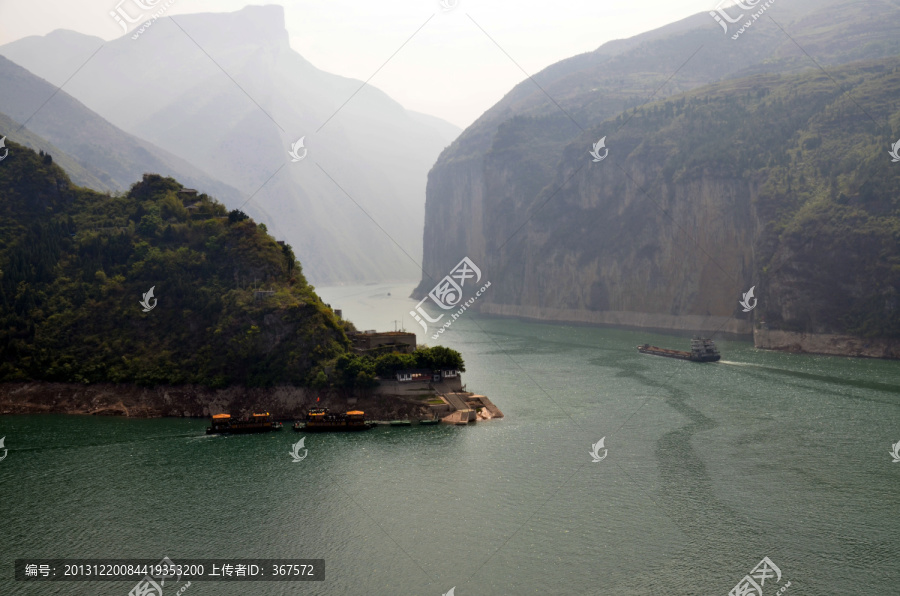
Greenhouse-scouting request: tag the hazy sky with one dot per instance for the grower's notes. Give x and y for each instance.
(450, 68)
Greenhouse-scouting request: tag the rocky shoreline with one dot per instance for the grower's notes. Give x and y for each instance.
(392, 400)
(764, 339)
(623, 319)
(826, 344)
(284, 402)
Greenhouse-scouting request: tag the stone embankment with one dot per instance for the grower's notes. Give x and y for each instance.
(469, 407)
(622, 319)
(284, 403)
(821, 343)
(447, 400)
(390, 401)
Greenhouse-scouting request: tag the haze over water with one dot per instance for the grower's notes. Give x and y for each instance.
(710, 468)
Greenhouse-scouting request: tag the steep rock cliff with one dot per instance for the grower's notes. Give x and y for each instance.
(701, 197)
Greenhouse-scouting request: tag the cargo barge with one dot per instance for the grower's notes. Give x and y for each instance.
(257, 423)
(321, 420)
(702, 350)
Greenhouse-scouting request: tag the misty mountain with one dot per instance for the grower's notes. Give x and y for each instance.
(227, 93)
(112, 160)
(79, 174)
(683, 216)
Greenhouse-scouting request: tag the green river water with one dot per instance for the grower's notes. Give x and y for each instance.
(709, 468)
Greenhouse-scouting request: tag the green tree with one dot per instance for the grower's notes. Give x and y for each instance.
(439, 357)
(387, 365)
(151, 222)
(171, 206)
(320, 381)
(355, 372)
(236, 215)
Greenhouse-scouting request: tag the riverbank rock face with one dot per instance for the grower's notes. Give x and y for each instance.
(193, 401)
(829, 344)
(706, 191)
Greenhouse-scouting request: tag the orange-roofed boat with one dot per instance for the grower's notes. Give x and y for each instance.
(321, 420)
(255, 423)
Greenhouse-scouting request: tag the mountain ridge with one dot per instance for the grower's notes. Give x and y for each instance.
(114, 157)
(233, 105)
(79, 174)
(518, 189)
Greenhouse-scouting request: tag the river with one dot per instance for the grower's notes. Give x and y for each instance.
(705, 470)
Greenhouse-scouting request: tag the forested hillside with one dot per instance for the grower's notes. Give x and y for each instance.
(75, 265)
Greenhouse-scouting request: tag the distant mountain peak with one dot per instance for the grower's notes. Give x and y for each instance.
(258, 25)
(213, 89)
(271, 15)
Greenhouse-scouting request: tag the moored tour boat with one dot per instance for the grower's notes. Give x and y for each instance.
(322, 420)
(255, 423)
